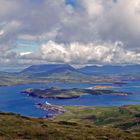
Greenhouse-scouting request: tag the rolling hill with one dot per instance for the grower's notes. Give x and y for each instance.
(47, 68)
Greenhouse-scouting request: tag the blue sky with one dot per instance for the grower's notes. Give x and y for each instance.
(72, 2)
(26, 46)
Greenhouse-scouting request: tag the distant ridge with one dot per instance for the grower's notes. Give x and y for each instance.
(110, 69)
(48, 69)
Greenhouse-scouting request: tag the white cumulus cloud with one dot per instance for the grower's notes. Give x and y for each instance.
(79, 53)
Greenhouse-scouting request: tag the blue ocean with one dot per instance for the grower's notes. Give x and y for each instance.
(12, 100)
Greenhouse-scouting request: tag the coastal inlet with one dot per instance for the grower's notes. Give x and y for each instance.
(58, 93)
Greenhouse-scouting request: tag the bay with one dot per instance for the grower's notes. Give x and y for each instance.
(12, 100)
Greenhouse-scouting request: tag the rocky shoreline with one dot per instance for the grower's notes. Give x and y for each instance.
(53, 110)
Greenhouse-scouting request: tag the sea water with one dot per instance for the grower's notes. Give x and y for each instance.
(12, 100)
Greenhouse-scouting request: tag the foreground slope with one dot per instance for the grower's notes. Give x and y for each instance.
(77, 124)
(14, 127)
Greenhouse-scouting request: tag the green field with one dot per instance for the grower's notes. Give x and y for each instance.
(124, 117)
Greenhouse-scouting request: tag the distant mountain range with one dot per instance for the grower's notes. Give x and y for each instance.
(66, 73)
(109, 69)
(48, 69)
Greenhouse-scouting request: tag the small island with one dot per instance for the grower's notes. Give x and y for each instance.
(58, 93)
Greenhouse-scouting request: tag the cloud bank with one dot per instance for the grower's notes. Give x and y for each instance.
(92, 53)
(84, 32)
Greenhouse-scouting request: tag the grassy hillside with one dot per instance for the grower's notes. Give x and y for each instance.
(124, 117)
(15, 127)
(80, 123)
